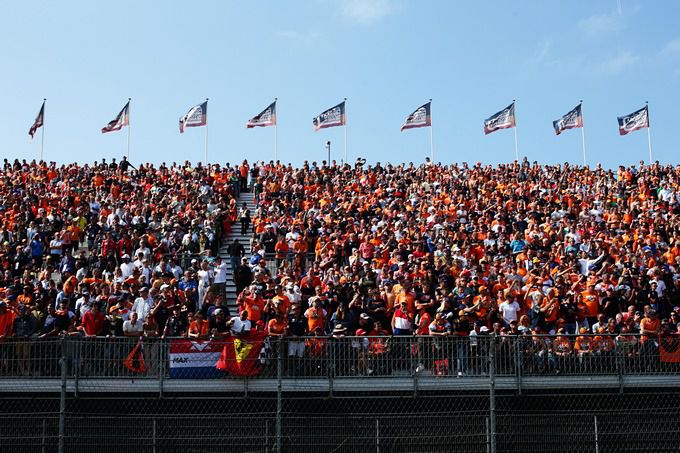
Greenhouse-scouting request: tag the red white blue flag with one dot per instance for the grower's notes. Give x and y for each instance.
(194, 359)
(195, 117)
(334, 116)
(572, 120)
(123, 119)
(39, 121)
(419, 118)
(501, 120)
(639, 119)
(266, 117)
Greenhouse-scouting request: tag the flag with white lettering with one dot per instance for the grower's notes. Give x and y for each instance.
(122, 119)
(419, 118)
(334, 116)
(195, 117)
(266, 117)
(39, 120)
(501, 120)
(572, 120)
(639, 119)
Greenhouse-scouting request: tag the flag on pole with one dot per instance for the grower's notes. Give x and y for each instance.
(196, 116)
(39, 120)
(501, 120)
(334, 116)
(266, 117)
(639, 119)
(420, 118)
(572, 120)
(123, 119)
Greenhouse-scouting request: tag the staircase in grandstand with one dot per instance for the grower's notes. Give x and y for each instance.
(249, 199)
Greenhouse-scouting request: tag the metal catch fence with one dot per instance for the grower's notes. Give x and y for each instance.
(340, 395)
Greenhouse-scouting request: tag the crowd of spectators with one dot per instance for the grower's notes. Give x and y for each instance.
(341, 250)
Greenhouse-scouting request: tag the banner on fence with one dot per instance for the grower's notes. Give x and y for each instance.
(240, 356)
(669, 349)
(195, 359)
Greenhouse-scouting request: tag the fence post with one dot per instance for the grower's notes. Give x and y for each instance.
(377, 435)
(619, 364)
(518, 362)
(77, 361)
(492, 394)
(153, 434)
(279, 397)
(597, 440)
(415, 358)
(163, 356)
(330, 365)
(62, 399)
(44, 431)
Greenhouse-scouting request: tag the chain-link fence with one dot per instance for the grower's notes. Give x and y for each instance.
(377, 394)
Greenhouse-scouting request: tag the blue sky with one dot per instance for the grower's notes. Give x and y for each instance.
(386, 56)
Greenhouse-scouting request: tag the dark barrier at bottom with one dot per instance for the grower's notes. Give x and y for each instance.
(565, 422)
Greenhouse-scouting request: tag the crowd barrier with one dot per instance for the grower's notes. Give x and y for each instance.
(259, 356)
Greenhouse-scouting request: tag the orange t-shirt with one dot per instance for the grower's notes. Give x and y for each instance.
(275, 327)
(315, 318)
(592, 302)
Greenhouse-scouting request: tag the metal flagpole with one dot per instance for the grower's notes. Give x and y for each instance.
(129, 127)
(206, 135)
(649, 133)
(276, 140)
(583, 134)
(515, 128)
(42, 136)
(345, 132)
(431, 142)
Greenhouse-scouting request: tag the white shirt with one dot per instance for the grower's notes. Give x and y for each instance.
(126, 269)
(221, 273)
(142, 307)
(239, 326)
(204, 277)
(137, 327)
(509, 310)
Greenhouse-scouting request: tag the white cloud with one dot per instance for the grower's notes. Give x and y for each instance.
(599, 25)
(367, 11)
(615, 63)
(672, 47)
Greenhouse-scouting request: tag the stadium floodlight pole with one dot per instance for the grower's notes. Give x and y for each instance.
(129, 131)
(649, 133)
(345, 128)
(276, 140)
(583, 134)
(206, 134)
(431, 127)
(42, 134)
(515, 128)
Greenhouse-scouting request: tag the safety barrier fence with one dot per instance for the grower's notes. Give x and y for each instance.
(370, 414)
(360, 357)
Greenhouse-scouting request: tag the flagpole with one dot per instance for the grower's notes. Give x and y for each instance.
(515, 128)
(276, 139)
(345, 132)
(583, 134)
(649, 133)
(42, 135)
(206, 134)
(129, 129)
(431, 142)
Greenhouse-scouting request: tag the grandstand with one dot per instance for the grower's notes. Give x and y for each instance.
(339, 308)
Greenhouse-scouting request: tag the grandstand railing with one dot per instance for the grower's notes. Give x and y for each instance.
(324, 358)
